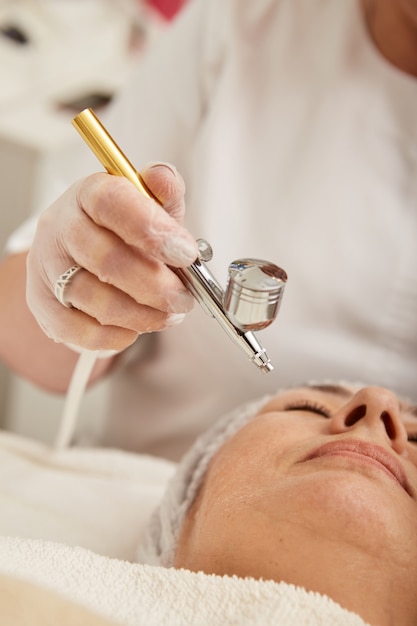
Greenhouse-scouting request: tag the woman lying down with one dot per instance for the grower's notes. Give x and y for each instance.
(316, 486)
(319, 489)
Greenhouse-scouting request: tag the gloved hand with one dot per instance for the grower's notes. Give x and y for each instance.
(124, 242)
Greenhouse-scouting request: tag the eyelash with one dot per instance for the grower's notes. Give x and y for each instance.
(412, 437)
(311, 407)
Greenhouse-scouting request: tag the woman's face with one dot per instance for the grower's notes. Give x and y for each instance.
(322, 476)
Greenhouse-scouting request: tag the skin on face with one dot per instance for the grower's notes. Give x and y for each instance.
(319, 490)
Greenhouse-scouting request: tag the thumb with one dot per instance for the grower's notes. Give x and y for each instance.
(164, 181)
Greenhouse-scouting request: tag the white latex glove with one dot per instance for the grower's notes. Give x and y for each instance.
(124, 242)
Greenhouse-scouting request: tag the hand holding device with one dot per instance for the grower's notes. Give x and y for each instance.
(255, 287)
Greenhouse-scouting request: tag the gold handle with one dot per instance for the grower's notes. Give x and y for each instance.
(107, 151)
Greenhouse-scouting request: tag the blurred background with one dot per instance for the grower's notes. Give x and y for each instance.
(56, 58)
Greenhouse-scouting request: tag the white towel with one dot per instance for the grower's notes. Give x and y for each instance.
(144, 595)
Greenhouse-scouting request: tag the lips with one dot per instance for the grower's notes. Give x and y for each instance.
(365, 453)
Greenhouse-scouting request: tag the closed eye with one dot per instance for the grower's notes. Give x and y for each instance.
(310, 407)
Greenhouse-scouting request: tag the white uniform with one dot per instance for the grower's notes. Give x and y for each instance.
(298, 144)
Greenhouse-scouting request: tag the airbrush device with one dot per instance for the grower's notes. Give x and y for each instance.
(254, 287)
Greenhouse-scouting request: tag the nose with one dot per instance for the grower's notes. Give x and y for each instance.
(376, 409)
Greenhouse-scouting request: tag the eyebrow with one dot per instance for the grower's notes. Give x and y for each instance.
(337, 390)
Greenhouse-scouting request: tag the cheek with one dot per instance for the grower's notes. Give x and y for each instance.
(335, 508)
(260, 455)
(253, 475)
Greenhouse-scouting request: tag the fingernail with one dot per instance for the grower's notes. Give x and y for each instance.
(182, 302)
(180, 251)
(169, 166)
(174, 319)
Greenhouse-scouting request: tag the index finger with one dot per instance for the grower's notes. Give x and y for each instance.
(114, 203)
